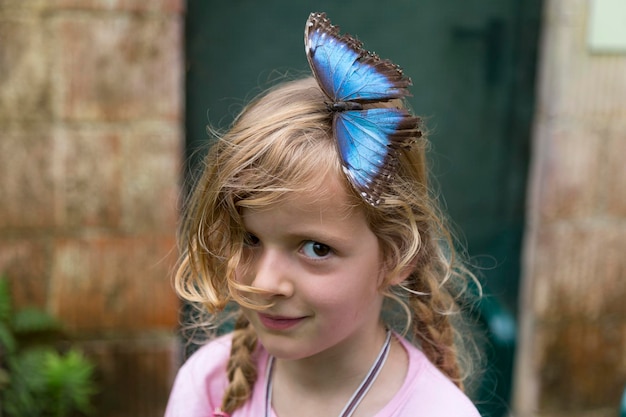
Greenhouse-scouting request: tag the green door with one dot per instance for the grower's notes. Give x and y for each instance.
(472, 65)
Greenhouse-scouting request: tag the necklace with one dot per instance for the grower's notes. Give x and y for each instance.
(358, 394)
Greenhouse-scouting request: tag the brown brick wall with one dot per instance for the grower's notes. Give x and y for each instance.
(91, 97)
(572, 359)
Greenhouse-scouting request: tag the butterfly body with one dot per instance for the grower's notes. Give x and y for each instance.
(355, 81)
(344, 106)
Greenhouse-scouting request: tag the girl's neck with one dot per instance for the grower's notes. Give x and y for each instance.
(322, 385)
(335, 366)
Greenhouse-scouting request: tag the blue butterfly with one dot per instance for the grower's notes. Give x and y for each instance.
(350, 76)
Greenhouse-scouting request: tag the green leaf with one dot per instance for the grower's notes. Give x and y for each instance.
(5, 300)
(7, 340)
(36, 380)
(23, 397)
(34, 320)
(70, 383)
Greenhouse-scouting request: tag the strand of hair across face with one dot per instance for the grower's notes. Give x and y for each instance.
(241, 367)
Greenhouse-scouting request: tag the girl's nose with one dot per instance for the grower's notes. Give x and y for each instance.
(272, 272)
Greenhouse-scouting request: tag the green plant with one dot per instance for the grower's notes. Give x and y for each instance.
(37, 378)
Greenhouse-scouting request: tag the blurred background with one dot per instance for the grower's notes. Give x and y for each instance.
(104, 106)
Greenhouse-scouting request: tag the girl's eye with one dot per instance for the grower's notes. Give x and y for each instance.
(316, 249)
(250, 240)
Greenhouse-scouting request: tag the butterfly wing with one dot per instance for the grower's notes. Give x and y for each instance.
(368, 141)
(346, 71)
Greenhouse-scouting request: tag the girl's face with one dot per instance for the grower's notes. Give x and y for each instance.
(321, 267)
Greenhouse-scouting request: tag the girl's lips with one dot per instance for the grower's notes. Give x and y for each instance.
(279, 322)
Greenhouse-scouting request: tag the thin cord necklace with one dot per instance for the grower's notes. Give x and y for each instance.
(358, 394)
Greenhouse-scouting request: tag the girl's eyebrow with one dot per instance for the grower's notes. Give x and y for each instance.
(331, 239)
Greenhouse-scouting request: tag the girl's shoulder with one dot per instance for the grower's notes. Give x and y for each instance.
(427, 390)
(201, 380)
(212, 356)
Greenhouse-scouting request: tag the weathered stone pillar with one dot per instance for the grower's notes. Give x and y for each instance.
(572, 356)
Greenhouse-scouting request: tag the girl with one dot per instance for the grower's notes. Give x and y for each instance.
(312, 217)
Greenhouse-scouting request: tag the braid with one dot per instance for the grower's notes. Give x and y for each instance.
(433, 305)
(241, 366)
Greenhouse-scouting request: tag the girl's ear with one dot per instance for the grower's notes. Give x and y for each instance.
(403, 274)
(393, 277)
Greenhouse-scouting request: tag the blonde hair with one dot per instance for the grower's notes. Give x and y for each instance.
(281, 143)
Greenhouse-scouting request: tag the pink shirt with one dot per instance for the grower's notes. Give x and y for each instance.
(202, 380)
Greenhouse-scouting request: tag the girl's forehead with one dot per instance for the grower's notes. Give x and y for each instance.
(330, 212)
(327, 194)
(330, 190)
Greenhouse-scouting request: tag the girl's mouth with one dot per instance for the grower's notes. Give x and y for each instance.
(279, 322)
